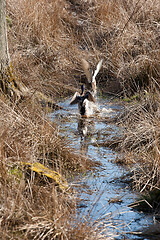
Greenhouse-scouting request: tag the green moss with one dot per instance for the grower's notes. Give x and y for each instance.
(131, 99)
(16, 171)
(9, 21)
(126, 99)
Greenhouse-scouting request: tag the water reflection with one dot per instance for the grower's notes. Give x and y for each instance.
(82, 127)
(86, 130)
(88, 135)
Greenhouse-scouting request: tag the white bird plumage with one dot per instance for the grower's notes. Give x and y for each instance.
(91, 76)
(86, 100)
(99, 65)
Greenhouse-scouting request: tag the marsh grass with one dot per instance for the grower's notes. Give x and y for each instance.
(33, 206)
(47, 40)
(141, 146)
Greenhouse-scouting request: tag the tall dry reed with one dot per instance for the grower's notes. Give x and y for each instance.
(141, 142)
(48, 39)
(31, 205)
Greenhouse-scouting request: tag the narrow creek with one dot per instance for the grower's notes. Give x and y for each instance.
(106, 193)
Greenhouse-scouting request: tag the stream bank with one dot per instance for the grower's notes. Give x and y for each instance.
(105, 195)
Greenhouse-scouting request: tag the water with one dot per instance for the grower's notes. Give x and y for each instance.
(106, 195)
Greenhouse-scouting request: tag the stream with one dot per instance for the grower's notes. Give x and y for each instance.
(106, 194)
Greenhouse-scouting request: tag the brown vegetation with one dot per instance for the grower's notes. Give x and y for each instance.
(141, 145)
(47, 40)
(34, 206)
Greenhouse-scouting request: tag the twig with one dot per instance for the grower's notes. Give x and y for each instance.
(134, 11)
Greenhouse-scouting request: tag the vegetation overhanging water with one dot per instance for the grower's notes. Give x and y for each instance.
(104, 194)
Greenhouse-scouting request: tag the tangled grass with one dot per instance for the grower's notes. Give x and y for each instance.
(32, 206)
(47, 41)
(141, 145)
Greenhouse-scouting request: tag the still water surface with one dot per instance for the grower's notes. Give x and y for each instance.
(107, 194)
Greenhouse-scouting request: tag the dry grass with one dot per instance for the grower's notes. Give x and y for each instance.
(47, 41)
(30, 206)
(141, 144)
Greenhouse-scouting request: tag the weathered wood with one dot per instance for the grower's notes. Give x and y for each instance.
(4, 54)
(9, 83)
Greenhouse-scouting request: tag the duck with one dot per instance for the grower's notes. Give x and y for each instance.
(87, 100)
(91, 75)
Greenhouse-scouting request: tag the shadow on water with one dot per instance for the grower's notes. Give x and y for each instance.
(105, 195)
